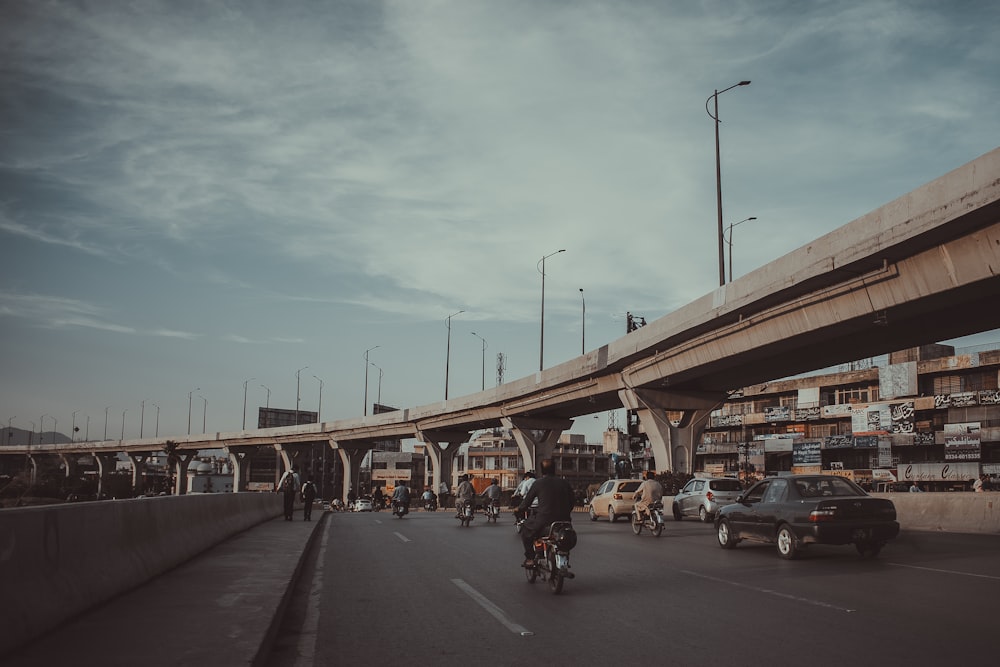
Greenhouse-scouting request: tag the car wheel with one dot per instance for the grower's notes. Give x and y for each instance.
(703, 514)
(593, 514)
(611, 515)
(788, 544)
(727, 538)
(677, 512)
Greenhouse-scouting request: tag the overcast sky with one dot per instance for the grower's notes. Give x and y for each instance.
(195, 195)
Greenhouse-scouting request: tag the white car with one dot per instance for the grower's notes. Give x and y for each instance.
(363, 505)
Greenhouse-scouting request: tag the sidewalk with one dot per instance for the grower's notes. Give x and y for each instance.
(220, 608)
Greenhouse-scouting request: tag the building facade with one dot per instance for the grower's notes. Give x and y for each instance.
(928, 415)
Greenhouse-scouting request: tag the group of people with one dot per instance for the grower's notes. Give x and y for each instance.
(290, 486)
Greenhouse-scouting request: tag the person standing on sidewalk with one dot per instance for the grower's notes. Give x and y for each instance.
(308, 496)
(288, 492)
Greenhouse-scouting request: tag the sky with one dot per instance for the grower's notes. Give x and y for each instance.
(206, 205)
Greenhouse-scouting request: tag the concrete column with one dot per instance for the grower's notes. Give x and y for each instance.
(673, 444)
(32, 468)
(441, 448)
(536, 438)
(70, 464)
(351, 459)
(180, 470)
(105, 465)
(138, 460)
(238, 458)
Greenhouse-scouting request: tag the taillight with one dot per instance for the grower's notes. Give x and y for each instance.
(709, 496)
(819, 515)
(617, 496)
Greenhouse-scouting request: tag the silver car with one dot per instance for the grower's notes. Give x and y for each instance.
(703, 496)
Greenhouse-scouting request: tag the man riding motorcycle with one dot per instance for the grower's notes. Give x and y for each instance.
(555, 503)
(401, 496)
(464, 493)
(648, 494)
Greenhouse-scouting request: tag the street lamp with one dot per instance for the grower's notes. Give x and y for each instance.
(204, 413)
(366, 377)
(729, 241)
(73, 432)
(189, 407)
(484, 357)
(245, 402)
(106, 423)
(718, 173)
(378, 396)
(541, 340)
(156, 434)
(447, 358)
(123, 422)
(319, 410)
(142, 416)
(583, 324)
(297, 394)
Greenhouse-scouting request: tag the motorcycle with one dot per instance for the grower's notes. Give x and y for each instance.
(400, 509)
(651, 520)
(492, 510)
(430, 505)
(551, 562)
(466, 513)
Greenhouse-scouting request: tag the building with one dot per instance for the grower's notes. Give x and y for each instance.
(927, 415)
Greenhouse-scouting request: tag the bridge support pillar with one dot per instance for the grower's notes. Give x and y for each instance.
(105, 465)
(138, 460)
(351, 458)
(442, 457)
(70, 464)
(536, 438)
(239, 458)
(32, 468)
(183, 460)
(673, 443)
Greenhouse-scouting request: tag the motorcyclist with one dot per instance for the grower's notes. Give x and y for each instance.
(555, 503)
(429, 498)
(401, 495)
(522, 490)
(648, 494)
(493, 493)
(464, 493)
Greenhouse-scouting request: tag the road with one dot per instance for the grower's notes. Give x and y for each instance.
(425, 591)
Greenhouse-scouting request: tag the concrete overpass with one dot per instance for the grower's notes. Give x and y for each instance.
(920, 269)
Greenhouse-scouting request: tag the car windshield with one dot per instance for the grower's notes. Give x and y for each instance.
(725, 485)
(827, 486)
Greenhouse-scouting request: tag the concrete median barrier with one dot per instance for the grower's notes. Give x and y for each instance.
(58, 561)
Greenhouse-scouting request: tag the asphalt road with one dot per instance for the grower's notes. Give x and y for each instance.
(422, 590)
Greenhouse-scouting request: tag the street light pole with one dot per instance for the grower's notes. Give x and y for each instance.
(156, 434)
(718, 174)
(106, 423)
(729, 242)
(484, 358)
(73, 431)
(319, 410)
(541, 339)
(378, 395)
(366, 377)
(142, 416)
(189, 407)
(447, 357)
(204, 414)
(583, 324)
(123, 422)
(245, 402)
(297, 394)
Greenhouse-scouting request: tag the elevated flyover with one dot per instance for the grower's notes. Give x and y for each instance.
(920, 269)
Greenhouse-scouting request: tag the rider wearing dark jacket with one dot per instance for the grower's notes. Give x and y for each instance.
(555, 503)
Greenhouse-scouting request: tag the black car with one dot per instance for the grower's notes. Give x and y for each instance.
(797, 510)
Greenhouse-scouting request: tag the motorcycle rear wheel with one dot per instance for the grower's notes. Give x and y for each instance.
(555, 578)
(636, 524)
(656, 530)
(531, 573)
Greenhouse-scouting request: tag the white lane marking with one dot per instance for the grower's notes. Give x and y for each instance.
(494, 610)
(404, 539)
(934, 569)
(310, 625)
(768, 591)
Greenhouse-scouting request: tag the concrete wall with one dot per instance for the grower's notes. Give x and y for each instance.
(948, 512)
(58, 561)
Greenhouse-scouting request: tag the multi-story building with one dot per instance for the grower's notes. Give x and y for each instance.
(927, 415)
